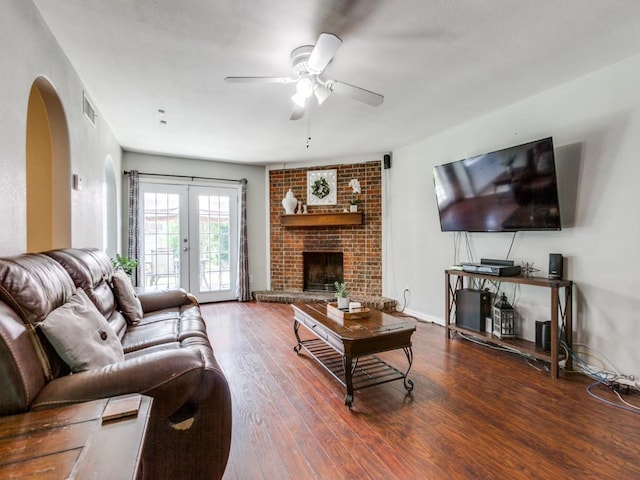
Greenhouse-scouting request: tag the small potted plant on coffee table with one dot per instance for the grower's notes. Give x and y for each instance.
(342, 295)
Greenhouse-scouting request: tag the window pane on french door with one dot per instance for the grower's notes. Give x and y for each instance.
(214, 242)
(161, 212)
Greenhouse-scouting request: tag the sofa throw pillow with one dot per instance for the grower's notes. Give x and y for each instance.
(126, 297)
(81, 335)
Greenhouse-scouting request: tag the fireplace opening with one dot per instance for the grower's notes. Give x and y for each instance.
(321, 271)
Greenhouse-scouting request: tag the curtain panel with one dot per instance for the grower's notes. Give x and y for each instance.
(244, 288)
(133, 247)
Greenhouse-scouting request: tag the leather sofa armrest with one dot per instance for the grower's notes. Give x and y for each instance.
(160, 300)
(171, 377)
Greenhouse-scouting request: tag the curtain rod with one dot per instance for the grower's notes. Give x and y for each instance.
(192, 177)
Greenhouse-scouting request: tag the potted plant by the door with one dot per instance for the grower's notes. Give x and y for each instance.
(125, 263)
(342, 295)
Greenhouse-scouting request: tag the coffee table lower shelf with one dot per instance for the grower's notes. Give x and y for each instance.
(366, 371)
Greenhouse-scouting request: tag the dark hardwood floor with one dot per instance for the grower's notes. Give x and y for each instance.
(474, 412)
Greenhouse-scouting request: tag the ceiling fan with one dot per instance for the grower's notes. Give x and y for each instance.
(309, 63)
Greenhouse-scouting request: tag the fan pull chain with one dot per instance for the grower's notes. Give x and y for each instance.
(308, 129)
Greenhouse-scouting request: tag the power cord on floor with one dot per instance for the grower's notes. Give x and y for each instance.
(404, 298)
(399, 313)
(606, 378)
(628, 407)
(502, 348)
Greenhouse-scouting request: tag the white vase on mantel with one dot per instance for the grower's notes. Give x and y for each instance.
(289, 202)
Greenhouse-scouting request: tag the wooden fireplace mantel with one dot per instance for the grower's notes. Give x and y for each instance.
(321, 219)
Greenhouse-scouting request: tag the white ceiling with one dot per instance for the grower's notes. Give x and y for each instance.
(438, 63)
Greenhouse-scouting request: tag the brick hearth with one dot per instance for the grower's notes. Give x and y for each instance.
(370, 301)
(361, 244)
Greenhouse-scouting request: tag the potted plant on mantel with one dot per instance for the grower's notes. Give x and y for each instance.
(342, 295)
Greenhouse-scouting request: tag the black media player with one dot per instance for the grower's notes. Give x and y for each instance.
(497, 270)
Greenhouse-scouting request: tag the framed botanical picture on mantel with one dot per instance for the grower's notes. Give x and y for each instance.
(321, 187)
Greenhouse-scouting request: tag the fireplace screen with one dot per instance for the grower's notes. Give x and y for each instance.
(322, 270)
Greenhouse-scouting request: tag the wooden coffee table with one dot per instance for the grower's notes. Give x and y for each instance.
(346, 348)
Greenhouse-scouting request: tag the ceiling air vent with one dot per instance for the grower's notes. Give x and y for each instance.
(88, 109)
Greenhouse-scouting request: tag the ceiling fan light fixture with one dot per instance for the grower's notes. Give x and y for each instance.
(299, 100)
(321, 93)
(304, 87)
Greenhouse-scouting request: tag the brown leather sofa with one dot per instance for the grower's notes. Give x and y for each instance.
(167, 356)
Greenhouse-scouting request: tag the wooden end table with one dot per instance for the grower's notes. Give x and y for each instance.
(346, 348)
(76, 441)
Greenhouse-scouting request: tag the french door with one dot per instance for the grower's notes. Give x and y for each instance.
(189, 239)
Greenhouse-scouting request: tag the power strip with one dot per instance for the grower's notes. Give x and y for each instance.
(625, 384)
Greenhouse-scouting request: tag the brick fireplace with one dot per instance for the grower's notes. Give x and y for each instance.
(321, 271)
(360, 245)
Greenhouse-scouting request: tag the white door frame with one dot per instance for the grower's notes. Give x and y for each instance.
(214, 254)
(192, 270)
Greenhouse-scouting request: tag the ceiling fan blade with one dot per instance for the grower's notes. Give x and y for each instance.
(298, 111)
(357, 93)
(323, 52)
(258, 79)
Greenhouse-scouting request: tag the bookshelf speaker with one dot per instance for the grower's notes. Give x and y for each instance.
(472, 308)
(556, 265)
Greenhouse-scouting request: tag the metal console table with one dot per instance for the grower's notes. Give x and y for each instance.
(561, 311)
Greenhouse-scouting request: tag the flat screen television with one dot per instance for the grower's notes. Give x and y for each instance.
(507, 190)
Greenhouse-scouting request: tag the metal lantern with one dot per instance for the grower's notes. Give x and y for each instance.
(504, 319)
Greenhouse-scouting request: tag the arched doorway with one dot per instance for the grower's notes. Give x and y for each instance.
(48, 170)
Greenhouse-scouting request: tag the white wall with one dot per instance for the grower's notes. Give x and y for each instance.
(595, 124)
(257, 210)
(27, 51)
